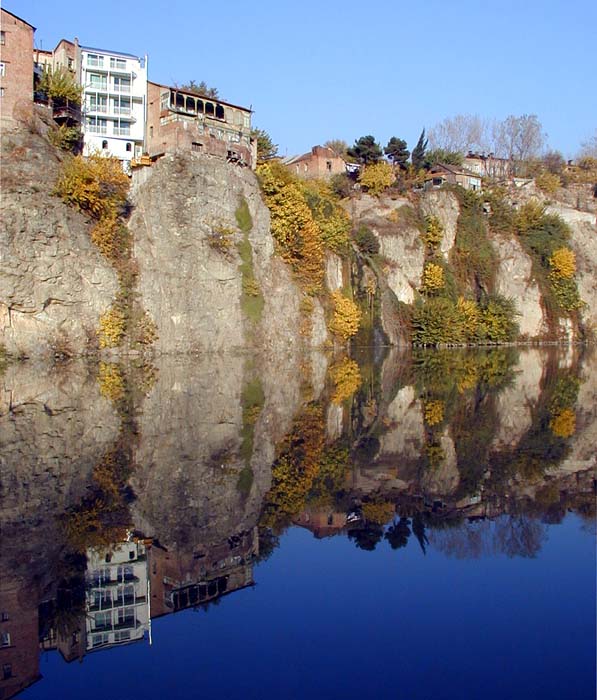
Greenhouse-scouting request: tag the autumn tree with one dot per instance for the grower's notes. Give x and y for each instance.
(60, 85)
(418, 154)
(339, 147)
(365, 150)
(397, 152)
(266, 148)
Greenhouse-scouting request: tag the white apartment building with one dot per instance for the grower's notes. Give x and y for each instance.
(118, 595)
(114, 103)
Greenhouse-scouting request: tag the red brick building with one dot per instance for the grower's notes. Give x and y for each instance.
(320, 163)
(181, 120)
(16, 67)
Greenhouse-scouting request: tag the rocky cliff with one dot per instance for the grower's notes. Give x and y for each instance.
(54, 284)
(209, 277)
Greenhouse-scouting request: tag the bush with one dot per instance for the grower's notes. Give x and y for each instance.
(433, 278)
(436, 321)
(377, 177)
(434, 232)
(548, 182)
(496, 323)
(342, 185)
(366, 240)
(65, 137)
(347, 316)
(332, 220)
(112, 328)
(96, 185)
(563, 263)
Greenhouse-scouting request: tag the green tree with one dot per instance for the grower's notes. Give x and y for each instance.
(266, 148)
(201, 88)
(61, 85)
(365, 150)
(397, 152)
(418, 154)
(441, 155)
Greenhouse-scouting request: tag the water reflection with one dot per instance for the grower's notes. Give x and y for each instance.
(132, 491)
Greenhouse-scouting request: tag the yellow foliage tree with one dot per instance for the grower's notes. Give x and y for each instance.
(563, 424)
(112, 328)
(434, 412)
(347, 316)
(377, 177)
(548, 182)
(433, 278)
(96, 185)
(434, 232)
(379, 512)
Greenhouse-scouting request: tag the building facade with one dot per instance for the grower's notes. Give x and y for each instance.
(321, 163)
(441, 174)
(114, 103)
(16, 68)
(182, 120)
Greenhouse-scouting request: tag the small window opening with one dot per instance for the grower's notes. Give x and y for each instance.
(129, 147)
(104, 144)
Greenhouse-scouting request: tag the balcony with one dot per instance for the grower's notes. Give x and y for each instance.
(120, 131)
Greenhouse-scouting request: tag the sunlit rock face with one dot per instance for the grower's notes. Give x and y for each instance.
(190, 285)
(514, 280)
(54, 283)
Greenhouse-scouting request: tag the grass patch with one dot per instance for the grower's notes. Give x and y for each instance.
(252, 399)
(251, 301)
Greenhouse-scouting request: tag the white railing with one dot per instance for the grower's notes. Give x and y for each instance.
(95, 129)
(122, 131)
(122, 88)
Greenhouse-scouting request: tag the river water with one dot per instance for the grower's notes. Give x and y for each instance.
(390, 525)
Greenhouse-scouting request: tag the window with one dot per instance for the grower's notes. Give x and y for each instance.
(98, 82)
(5, 639)
(118, 63)
(4, 616)
(99, 639)
(6, 668)
(104, 144)
(96, 125)
(98, 103)
(129, 147)
(2, 38)
(2, 70)
(122, 635)
(328, 165)
(209, 108)
(151, 132)
(95, 61)
(122, 128)
(71, 64)
(2, 92)
(103, 619)
(122, 84)
(122, 105)
(197, 147)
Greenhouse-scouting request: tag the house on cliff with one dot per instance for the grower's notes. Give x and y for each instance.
(441, 174)
(320, 163)
(16, 68)
(487, 165)
(180, 119)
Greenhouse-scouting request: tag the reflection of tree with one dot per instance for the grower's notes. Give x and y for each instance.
(367, 536)
(419, 531)
(513, 535)
(398, 533)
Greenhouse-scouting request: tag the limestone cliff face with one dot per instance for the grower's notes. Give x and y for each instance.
(54, 284)
(190, 288)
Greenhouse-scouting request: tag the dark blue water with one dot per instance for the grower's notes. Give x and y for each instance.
(328, 620)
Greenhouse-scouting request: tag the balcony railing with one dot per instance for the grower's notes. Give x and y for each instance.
(121, 131)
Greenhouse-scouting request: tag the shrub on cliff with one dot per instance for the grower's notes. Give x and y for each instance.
(377, 177)
(347, 316)
(96, 185)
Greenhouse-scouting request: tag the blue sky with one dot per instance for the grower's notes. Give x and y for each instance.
(319, 70)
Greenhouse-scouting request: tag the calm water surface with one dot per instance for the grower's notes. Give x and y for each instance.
(409, 527)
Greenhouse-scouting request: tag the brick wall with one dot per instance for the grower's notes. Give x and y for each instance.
(16, 57)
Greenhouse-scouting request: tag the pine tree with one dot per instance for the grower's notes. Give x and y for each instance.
(365, 150)
(418, 154)
(397, 151)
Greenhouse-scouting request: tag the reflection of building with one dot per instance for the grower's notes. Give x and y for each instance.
(114, 102)
(19, 655)
(16, 67)
(321, 521)
(181, 120)
(117, 596)
(187, 579)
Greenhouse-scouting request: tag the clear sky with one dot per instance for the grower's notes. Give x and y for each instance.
(316, 70)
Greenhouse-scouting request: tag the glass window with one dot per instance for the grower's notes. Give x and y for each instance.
(98, 103)
(122, 84)
(99, 82)
(5, 639)
(2, 38)
(118, 63)
(2, 69)
(95, 61)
